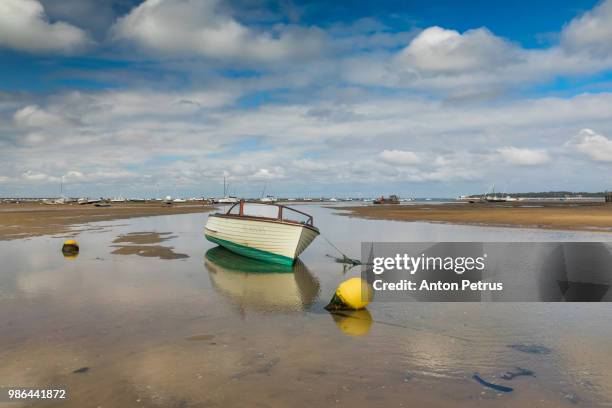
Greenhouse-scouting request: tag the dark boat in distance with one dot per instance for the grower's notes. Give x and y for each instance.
(392, 199)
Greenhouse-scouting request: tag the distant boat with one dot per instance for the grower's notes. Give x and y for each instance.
(118, 200)
(469, 199)
(268, 232)
(392, 199)
(179, 200)
(58, 201)
(268, 199)
(333, 199)
(83, 201)
(226, 199)
(494, 198)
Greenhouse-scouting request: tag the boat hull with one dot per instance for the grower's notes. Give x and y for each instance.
(269, 241)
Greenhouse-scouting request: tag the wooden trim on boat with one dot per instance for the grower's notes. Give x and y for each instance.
(279, 218)
(266, 219)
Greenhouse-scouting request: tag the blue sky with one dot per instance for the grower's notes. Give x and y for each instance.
(122, 97)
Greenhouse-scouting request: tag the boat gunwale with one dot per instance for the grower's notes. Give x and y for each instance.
(265, 219)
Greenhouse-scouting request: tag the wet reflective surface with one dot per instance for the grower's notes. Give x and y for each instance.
(211, 329)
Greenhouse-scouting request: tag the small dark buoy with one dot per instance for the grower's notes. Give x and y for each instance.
(81, 370)
(70, 249)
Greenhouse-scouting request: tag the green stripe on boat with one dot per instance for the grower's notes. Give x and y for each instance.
(251, 252)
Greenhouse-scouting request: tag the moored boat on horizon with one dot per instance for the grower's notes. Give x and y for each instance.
(392, 199)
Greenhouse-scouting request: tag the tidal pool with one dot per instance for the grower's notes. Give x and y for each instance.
(213, 329)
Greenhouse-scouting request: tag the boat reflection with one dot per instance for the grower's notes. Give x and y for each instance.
(261, 286)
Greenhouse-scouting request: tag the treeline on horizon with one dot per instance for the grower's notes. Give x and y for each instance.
(550, 194)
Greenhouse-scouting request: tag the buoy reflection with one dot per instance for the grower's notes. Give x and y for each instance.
(353, 322)
(258, 285)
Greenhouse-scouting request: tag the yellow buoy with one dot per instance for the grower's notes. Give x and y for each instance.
(70, 248)
(352, 294)
(353, 322)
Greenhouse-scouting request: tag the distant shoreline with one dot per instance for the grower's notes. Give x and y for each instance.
(593, 216)
(34, 219)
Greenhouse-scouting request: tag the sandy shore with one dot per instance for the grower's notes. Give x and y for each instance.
(563, 216)
(32, 219)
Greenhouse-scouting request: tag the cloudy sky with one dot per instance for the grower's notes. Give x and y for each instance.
(123, 97)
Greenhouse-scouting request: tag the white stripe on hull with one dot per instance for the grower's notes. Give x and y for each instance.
(284, 239)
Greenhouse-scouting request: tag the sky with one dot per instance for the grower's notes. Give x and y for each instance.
(421, 99)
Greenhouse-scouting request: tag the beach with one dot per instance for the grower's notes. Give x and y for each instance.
(563, 216)
(152, 314)
(33, 219)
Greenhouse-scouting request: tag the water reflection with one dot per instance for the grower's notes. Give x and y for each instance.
(257, 285)
(353, 322)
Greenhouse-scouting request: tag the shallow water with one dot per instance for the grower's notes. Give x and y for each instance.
(216, 331)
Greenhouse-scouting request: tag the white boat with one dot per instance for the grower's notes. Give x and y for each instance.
(268, 199)
(269, 232)
(179, 200)
(85, 200)
(118, 200)
(57, 201)
(226, 199)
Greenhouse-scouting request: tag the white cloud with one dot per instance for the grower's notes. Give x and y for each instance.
(400, 157)
(524, 157)
(34, 176)
(414, 139)
(592, 144)
(591, 32)
(276, 172)
(34, 116)
(175, 27)
(24, 26)
(310, 165)
(440, 50)
(477, 62)
(145, 102)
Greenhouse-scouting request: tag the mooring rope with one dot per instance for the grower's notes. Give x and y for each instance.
(345, 259)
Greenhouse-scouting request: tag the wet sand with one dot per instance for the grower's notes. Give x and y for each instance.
(216, 330)
(139, 243)
(562, 216)
(34, 219)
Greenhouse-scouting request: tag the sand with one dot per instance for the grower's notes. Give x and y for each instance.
(142, 247)
(562, 216)
(34, 219)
